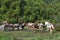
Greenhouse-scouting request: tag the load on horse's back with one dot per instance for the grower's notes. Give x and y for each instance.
(30, 25)
(2, 27)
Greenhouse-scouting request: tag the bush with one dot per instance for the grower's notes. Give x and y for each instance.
(57, 26)
(12, 20)
(1, 21)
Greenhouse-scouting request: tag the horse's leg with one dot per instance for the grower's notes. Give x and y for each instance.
(5, 28)
(33, 28)
(29, 27)
(17, 27)
(8, 28)
(22, 27)
(47, 29)
(40, 28)
(51, 31)
(12, 28)
(26, 27)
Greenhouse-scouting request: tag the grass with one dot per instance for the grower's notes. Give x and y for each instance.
(28, 35)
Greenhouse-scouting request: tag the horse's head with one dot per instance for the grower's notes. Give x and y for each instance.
(46, 23)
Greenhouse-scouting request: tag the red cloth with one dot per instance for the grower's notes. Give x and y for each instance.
(51, 27)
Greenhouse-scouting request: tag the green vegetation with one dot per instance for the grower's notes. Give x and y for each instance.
(28, 35)
(30, 10)
(15, 11)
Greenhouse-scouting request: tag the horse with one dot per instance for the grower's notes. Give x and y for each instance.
(30, 25)
(9, 26)
(41, 26)
(49, 27)
(16, 26)
(35, 26)
(22, 25)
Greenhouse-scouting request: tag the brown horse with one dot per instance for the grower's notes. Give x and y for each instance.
(30, 26)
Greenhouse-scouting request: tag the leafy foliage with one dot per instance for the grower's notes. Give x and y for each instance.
(30, 10)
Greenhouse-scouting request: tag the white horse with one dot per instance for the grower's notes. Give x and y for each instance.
(49, 26)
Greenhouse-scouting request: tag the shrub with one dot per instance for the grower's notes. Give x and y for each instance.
(57, 26)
